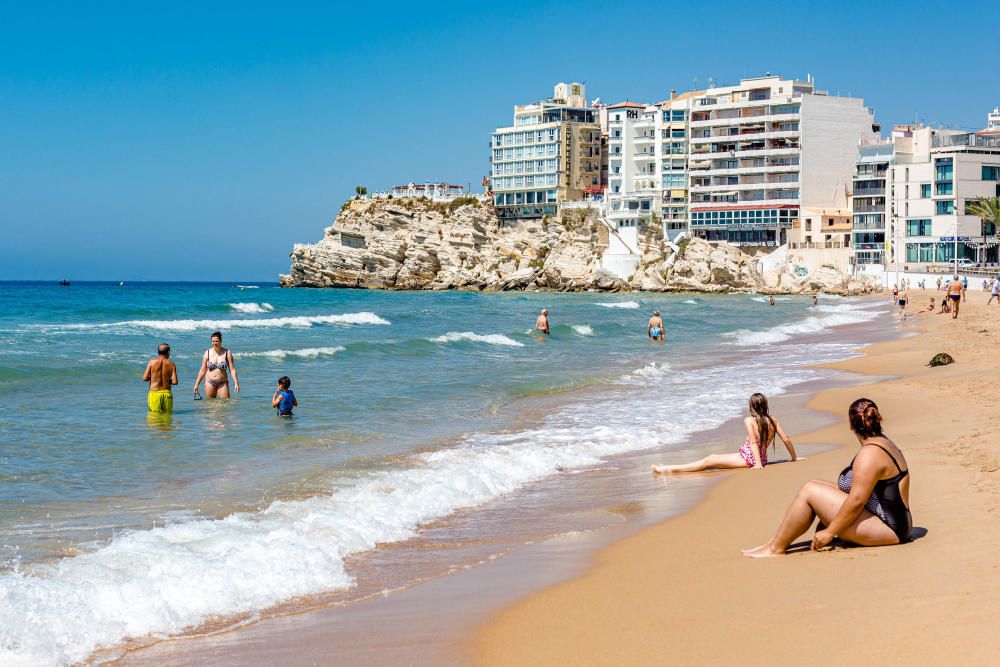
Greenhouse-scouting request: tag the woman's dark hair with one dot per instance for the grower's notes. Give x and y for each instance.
(865, 418)
(762, 415)
(216, 334)
(284, 381)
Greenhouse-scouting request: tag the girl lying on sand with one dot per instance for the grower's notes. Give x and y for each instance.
(870, 503)
(761, 429)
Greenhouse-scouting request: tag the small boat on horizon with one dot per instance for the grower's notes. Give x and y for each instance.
(65, 283)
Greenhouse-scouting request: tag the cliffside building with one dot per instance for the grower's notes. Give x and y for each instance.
(551, 154)
(766, 154)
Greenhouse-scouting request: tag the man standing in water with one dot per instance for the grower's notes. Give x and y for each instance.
(655, 329)
(542, 323)
(955, 290)
(161, 374)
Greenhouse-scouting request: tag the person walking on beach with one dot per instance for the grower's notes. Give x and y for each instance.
(901, 302)
(939, 283)
(995, 291)
(761, 429)
(542, 323)
(655, 328)
(965, 286)
(161, 374)
(868, 506)
(216, 364)
(895, 293)
(955, 294)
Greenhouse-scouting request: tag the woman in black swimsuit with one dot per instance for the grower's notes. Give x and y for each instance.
(216, 365)
(869, 504)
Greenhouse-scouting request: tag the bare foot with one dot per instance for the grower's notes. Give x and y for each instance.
(763, 551)
(662, 470)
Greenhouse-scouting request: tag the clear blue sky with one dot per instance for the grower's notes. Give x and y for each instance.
(199, 141)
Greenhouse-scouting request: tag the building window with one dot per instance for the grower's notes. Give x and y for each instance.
(918, 228)
(925, 191)
(946, 207)
(944, 188)
(991, 173)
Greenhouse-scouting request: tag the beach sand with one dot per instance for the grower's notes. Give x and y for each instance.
(681, 593)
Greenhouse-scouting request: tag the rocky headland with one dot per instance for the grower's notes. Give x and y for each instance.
(414, 244)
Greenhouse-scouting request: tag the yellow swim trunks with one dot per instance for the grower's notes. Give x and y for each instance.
(161, 400)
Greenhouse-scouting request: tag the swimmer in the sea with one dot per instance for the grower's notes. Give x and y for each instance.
(655, 328)
(542, 323)
(284, 398)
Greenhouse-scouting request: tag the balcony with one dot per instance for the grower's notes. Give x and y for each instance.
(644, 139)
(643, 157)
(868, 209)
(715, 122)
(868, 192)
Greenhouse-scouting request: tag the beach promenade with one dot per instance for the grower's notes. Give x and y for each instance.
(680, 592)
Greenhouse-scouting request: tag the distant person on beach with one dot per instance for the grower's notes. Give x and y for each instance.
(869, 504)
(965, 286)
(655, 328)
(930, 308)
(895, 293)
(284, 398)
(815, 300)
(761, 429)
(771, 300)
(216, 364)
(955, 291)
(995, 291)
(901, 302)
(939, 283)
(945, 308)
(161, 374)
(542, 323)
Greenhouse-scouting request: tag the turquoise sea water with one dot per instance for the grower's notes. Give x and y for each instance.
(412, 406)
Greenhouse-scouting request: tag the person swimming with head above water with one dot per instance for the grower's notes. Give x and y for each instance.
(284, 398)
(216, 365)
(868, 506)
(161, 374)
(542, 323)
(761, 430)
(655, 328)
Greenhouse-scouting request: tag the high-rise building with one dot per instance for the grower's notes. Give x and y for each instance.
(551, 154)
(869, 217)
(930, 177)
(766, 153)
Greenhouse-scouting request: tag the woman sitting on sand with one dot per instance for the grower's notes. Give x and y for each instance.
(216, 364)
(761, 429)
(869, 504)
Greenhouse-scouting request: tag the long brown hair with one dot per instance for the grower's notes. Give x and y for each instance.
(762, 415)
(866, 420)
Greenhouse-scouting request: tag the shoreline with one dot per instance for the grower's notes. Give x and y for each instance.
(937, 597)
(438, 612)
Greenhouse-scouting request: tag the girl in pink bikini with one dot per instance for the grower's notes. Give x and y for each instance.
(761, 430)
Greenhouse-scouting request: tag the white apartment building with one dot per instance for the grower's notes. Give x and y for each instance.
(439, 192)
(931, 175)
(767, 153)
(869, 215)
(551, 154)
(633, 193)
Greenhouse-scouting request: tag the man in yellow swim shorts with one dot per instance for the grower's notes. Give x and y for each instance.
(161, 374)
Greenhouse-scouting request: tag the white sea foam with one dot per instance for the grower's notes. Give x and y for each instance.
(583, 329)
(307, 353)
(838, 316)
(193, 325)
(248, 286)
(620, 304)
(252, 308)
(690, 301)
(491, 339)
(164, 580)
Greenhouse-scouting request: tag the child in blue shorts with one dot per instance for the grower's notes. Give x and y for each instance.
(284, 400)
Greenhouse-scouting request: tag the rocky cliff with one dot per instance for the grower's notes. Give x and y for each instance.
(416, 244)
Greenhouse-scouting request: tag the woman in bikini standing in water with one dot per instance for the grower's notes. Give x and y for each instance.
(761, 430)
(216, 364)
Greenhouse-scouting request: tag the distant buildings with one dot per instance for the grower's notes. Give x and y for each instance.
(910, 197)
(433, 191)
(551, 154)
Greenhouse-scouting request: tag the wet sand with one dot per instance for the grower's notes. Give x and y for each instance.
(681, 593)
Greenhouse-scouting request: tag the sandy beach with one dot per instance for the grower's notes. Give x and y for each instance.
(681, 593)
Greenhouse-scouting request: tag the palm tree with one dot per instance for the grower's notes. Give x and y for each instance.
(988, 210)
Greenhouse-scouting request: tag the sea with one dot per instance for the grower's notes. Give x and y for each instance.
(119, 527)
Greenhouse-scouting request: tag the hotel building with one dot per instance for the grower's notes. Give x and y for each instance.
(551, 154)
(930, 176)
(767, 153)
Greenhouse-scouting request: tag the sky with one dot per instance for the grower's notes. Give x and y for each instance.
(200, 141)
